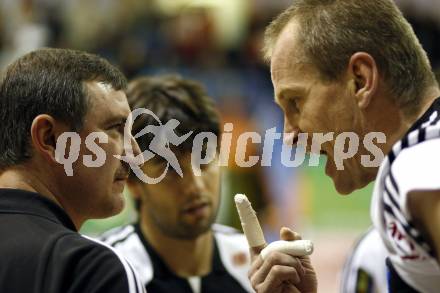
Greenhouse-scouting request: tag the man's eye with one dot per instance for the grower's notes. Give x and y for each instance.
(118, 127)
(293, 104)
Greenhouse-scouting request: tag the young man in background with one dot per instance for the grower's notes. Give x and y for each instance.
(175, 245)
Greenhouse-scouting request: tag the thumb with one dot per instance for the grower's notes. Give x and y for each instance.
(285, 234)
(288, 235)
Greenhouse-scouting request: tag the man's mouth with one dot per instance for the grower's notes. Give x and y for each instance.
(197, 208)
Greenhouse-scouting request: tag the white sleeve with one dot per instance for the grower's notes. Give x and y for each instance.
(417, 168)
(366, 265)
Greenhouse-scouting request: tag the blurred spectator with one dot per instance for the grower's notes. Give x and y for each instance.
(23, 29)
(424, 16)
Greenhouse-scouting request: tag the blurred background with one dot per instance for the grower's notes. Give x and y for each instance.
(217, 43)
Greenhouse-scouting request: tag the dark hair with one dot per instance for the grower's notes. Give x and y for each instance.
(47, 81)
(172, 97)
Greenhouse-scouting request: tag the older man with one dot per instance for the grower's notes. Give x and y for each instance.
(44, 96)
(356, 66)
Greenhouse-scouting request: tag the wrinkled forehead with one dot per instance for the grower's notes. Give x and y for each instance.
(287, 52)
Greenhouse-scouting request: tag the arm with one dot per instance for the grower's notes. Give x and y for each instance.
(416, 171)
(424, 207)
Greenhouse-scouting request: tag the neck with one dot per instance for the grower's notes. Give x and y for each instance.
(21, 177)
(185, 258)
(396, 127)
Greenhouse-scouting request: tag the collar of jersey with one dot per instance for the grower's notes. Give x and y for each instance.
(425, 117)
(161, 270)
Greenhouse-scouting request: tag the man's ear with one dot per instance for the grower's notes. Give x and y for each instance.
(44, 133)
(364, 75)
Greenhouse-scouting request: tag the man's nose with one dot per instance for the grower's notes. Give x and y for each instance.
(136, 148)
(133, 153)
(193, 184)
(290, 136)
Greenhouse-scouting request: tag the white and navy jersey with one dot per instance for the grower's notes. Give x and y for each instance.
(230, 263)
(412, 164)
(41, 252)
(365, 270)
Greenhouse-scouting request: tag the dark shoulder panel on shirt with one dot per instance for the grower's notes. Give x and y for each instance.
(80, 264)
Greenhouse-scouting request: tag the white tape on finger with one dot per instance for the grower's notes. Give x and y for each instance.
(249, 221)
(255, 236)
(294, 248)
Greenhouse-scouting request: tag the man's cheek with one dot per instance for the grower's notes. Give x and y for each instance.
(95, 143)
(114, 148)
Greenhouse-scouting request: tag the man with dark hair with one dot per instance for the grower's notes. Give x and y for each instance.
(355, 66)
(44, 95)
(174, 245)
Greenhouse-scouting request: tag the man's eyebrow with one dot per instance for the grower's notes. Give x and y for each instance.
(287, 91)
(116, 119)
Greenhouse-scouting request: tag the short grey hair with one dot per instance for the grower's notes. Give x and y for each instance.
(331, 31)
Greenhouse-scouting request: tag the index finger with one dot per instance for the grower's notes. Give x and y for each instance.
(250, 224)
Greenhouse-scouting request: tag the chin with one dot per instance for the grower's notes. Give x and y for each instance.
(348, 187)
(196, 232)
(113, 207)
(344, 190)
(344, 187)
(119, 204)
